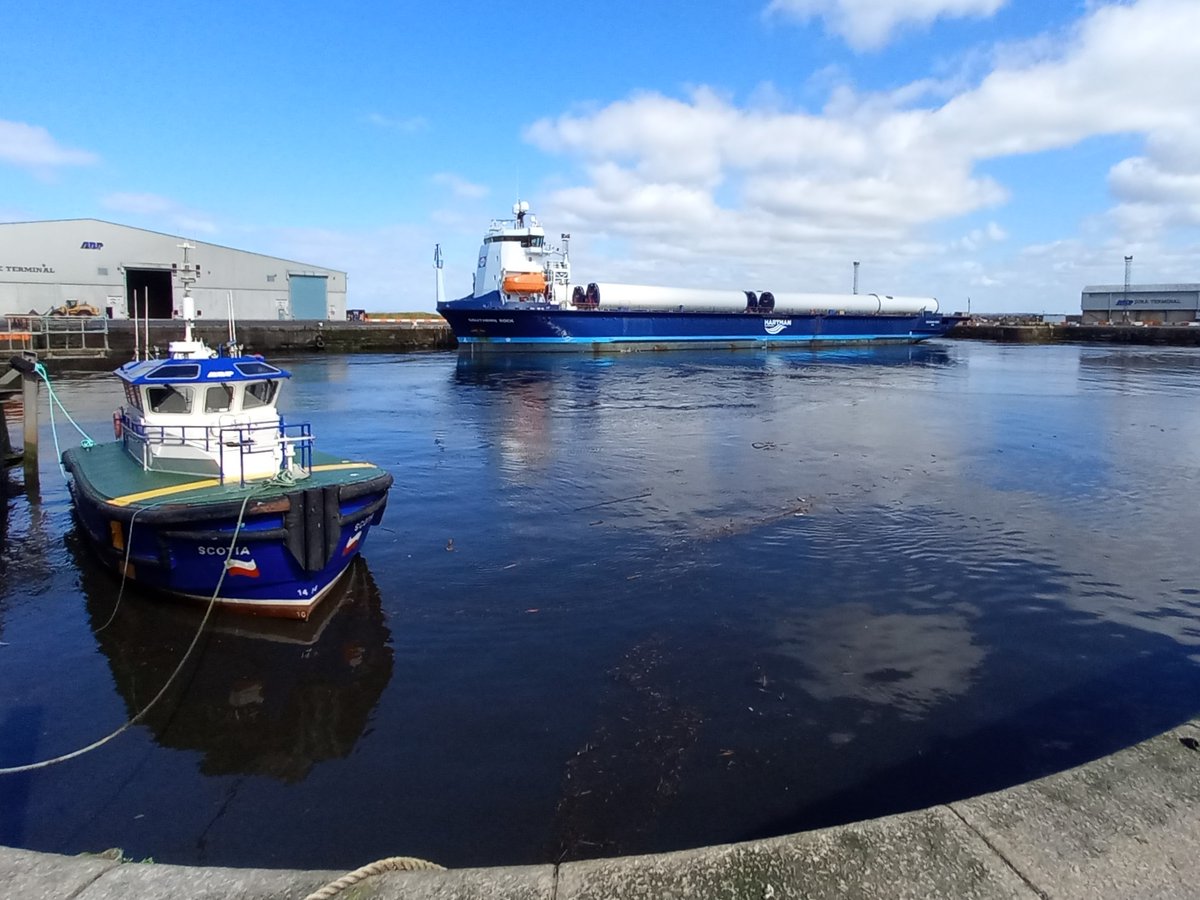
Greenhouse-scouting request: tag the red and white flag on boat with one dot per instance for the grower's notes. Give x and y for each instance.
(352, 543)
(246, 567)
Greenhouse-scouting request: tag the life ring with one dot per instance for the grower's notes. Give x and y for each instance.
(117, 424)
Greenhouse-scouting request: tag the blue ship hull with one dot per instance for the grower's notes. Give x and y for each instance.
(488, 324)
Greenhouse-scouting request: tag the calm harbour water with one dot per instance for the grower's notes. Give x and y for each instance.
(637, 603)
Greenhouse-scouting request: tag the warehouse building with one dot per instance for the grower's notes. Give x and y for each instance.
(1149, 304)
(48, 266)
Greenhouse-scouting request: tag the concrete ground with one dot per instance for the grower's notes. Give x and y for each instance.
(1125, 826)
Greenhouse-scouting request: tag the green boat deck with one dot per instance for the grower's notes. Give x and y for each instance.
(114, 476)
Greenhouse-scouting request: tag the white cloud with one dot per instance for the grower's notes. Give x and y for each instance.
(802, 191)
(459, 186)
(868, 24)
(32, 147)
(161, 212)
(978, 238)
(1162, 188)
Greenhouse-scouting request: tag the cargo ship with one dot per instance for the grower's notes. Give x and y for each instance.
(524, 298)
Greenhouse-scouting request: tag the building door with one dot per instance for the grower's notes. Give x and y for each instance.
(154, 291)
(307, 294)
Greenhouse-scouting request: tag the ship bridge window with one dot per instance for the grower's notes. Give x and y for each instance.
(259, 393)
(218, 398)
(133, 396)
(175, 373)
(169, 399)
(525, 240)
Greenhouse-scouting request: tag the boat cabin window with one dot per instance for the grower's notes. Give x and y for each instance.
(256, 368)
(168, 399)
(176, 371)
(133, 396)
(218, 398)
(259, 393)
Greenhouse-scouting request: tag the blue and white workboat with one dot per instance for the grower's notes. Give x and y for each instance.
(202, 453)
(524, 298)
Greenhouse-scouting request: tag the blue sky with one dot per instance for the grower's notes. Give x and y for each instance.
(1009, 151)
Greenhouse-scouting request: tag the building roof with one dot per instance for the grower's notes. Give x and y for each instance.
(173, 237)
(1142, 288)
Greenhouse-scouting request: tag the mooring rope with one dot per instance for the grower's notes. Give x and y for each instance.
(212, 602)
(390, 864)
(125, 564)
(87, 441)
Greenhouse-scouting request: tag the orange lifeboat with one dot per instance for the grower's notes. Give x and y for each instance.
(525, 283)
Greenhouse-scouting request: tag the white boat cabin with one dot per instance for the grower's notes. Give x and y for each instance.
(209, 416)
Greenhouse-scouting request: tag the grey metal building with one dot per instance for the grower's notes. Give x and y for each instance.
(43, 265)
(1157, 304)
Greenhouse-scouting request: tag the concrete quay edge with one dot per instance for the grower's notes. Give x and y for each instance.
(1123, 826)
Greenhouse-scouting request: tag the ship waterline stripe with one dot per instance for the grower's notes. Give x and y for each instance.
(692, 339)
(155, 493)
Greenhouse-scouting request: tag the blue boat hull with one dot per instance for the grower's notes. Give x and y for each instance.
(291, 546)
(486, 323)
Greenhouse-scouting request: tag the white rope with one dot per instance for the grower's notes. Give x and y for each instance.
(390, 864)
(29, 767)
(125, 566)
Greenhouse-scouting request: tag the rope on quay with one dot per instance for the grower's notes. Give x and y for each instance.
(212, 602)
(390, 864)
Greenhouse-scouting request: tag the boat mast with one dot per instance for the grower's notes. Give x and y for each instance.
(188, 272)
(186, 278)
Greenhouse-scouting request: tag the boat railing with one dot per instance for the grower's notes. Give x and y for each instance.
(293, 442)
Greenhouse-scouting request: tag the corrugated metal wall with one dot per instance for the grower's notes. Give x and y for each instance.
(44, 264)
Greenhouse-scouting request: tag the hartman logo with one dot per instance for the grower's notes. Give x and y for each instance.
(774, 326)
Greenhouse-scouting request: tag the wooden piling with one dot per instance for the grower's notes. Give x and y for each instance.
(29, 398)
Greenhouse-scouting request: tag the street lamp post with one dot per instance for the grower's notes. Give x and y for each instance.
(1125, 304)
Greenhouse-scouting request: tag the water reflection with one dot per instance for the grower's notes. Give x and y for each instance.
(907, 662)
(707, 442)
(266, 696)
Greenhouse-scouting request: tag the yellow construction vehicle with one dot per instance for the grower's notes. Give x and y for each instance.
(73, 308)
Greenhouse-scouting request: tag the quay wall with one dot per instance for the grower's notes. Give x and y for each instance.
(272, 337)
(268, 337)
(1164, 335)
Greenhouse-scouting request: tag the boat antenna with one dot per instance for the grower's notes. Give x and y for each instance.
(137, 335)
(232, 324)
(440, 288)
